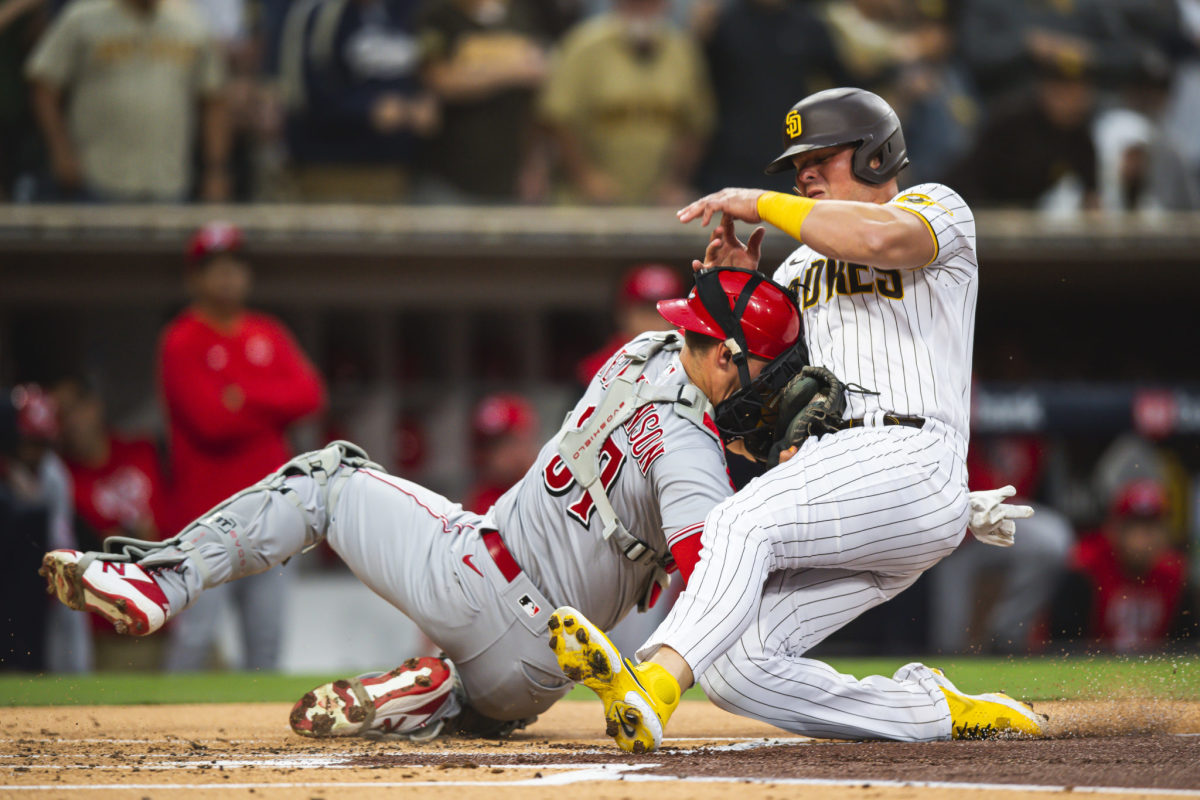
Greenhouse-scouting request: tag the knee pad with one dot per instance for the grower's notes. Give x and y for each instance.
(221, 523)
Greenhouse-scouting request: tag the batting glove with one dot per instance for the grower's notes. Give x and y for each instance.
(992, 519)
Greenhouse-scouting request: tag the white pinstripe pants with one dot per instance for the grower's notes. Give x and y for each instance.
(848, 523)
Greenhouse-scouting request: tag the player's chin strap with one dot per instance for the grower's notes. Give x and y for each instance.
(580, 447)
(222, 522)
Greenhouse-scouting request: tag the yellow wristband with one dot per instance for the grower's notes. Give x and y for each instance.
(785, 211)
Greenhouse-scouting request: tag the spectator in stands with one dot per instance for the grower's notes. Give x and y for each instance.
(1181, 118)
(116, 89)
(1006, 43)
(630, 107)
(755, 84)
(879, 39)
(233, 381)
(505, 439)
(1125, 588)
(1139, 166)
(1035, 150)
(21, 23)
(118, 482)
(928, 86)
(484, 60)
(357, 111)
(37, 496)
(1007, 589)
(253, 113)
(635, 311)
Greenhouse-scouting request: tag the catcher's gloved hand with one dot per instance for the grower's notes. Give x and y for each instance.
(992, 519)
(810, 405)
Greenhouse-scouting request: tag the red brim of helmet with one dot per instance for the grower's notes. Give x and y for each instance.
(682, 313)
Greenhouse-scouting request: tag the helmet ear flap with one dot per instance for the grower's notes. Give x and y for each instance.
(892, 155)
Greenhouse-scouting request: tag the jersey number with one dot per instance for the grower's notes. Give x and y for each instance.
(559, 480)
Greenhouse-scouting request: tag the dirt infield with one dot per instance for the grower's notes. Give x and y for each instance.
(1138, 748)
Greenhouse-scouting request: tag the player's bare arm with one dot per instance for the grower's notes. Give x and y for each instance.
(873, 233)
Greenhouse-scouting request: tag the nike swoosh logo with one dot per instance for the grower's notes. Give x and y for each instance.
(467, 561)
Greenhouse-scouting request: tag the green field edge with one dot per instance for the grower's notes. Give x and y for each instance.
(1078, 677)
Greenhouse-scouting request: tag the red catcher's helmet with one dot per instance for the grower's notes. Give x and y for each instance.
(765, 312)
(214, 238)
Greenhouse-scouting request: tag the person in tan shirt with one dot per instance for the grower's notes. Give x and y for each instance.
(630, 105)
(117, 86)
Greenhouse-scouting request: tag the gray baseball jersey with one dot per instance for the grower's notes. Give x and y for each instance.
(854, 517)
(662, 473)
(431, 558)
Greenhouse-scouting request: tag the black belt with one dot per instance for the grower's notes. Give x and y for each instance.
(888, 419)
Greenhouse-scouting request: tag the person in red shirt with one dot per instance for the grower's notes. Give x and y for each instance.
(233, 381)
(119, 484)
(636, 311)
(1127, 579)
(504, 441)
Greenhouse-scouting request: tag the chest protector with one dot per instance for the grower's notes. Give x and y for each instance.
(580, 446)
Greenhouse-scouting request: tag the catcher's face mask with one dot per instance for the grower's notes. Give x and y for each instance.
(749, 413)
(743, 304)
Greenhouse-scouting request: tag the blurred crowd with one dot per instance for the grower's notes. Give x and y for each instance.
(1054, 104)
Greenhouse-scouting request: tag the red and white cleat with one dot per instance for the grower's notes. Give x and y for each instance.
(411, 702)
(120, 591)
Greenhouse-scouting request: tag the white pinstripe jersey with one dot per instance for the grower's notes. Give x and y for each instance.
(907, 334)
(663, 474)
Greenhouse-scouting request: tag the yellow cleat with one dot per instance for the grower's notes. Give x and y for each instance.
(988, 716)
(638, 700)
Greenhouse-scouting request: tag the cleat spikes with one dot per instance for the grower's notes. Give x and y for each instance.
(411, 702)
(636, 704)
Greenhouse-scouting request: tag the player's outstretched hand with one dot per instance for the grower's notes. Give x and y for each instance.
(992, 519)
(726, 250)
(741, 204)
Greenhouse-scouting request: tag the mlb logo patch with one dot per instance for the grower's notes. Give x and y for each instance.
(528, 606)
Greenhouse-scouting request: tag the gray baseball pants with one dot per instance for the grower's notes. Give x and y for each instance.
(419, 551)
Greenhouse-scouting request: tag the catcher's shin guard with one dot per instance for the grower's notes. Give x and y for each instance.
(229, 523)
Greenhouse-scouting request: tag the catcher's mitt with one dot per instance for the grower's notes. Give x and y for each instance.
(810, 405)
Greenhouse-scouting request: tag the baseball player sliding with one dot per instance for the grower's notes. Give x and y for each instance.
(887, 283)
(619, 495)
(614, 500)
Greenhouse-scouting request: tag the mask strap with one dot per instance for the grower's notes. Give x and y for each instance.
(716, 303)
